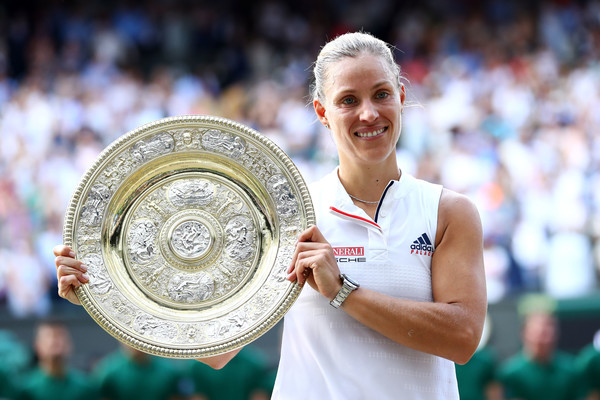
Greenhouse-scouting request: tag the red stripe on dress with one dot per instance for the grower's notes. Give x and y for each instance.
(354, 216)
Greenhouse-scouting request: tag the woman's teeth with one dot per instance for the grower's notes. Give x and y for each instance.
(370, 134)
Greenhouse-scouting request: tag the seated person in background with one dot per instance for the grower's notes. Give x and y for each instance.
(52, 379)
(539, 371)
(132, 374)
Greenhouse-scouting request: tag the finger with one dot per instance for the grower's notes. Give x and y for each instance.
(294, 258)
(66, 284)
(312, 234)
(312, 246)
(63, 250)
(64, 270)
(298, 256)
(304, 267)
(308, 246)
(70, 262)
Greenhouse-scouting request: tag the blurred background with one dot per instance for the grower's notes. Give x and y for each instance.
(504, 98)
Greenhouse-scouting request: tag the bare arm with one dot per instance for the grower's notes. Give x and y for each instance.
(448, 327)
(219, 361)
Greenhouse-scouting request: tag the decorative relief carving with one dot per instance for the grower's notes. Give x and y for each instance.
(186, 139)
(241, 238)
(285, 201)
(154, 327)
(152, 276)
(93, 210)
(210, 234)
(147, 149)
(223, 142)
(190, 333)
(191, 239)
(142, 241)
(99, 281)
(119, 308)
(191, 288)
(198, 192)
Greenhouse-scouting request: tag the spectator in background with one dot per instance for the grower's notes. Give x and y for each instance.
(477, 379)
(539, 371)
(132, 374)
(15, 358)
(52, 379)
(588, 364)
(245, 377)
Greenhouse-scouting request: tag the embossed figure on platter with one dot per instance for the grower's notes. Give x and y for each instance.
(191, 239)
(99, 282)
(142, 238)
(198, 192)
(224, 143)
(153, 327)
(241, 238)
(191, 288)
(93, 210)
(284, 198)
(162, 143)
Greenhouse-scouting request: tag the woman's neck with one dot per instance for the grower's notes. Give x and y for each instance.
(367, 182)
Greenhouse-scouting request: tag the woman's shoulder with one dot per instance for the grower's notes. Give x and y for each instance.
(454, 201)
(458, 210)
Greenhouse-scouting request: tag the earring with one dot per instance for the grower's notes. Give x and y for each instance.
(327, 126)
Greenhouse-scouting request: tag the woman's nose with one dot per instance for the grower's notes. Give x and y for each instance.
(368, 112)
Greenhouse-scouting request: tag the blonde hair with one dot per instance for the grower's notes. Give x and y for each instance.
(350, 45)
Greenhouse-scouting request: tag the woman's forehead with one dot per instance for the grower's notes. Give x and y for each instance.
(366, 70)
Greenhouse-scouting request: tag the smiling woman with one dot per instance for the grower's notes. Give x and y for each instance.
(407, 315)
(396, 289)
(364, 112)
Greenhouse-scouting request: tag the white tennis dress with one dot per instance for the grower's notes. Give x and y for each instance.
(326, 354)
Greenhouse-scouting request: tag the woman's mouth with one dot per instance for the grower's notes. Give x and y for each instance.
(371, 133)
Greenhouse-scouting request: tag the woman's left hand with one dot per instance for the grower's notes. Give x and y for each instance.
(314, 262)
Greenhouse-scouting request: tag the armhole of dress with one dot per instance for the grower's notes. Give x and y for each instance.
(436, 198)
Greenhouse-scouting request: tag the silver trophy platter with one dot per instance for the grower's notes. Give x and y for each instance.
(187, 226)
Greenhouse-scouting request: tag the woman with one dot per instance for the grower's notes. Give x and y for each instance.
(411, 300)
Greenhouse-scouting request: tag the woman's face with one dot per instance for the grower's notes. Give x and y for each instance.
(362, 107)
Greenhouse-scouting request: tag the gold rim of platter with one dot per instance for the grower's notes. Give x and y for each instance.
(187, 226)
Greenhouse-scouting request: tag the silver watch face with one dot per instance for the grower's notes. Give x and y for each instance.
(346, 279)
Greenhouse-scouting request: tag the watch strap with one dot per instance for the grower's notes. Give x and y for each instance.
(348, 286)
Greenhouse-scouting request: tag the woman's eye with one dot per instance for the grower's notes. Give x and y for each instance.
(348, 100)
(382, 95)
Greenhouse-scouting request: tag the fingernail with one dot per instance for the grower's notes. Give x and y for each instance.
(84, 267)
(86, 277)
(72, 254)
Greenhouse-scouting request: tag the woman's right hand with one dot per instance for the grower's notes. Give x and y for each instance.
(71, 273)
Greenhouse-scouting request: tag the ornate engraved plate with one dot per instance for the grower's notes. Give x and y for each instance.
(187, 226)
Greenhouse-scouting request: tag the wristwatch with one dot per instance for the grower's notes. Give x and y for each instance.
(348, 286)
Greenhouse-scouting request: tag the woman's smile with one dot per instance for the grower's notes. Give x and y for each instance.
(372, 134)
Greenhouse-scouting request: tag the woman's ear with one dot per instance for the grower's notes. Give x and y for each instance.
(320, 111)
(402, 94)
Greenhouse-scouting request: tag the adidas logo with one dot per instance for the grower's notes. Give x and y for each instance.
(422, 246)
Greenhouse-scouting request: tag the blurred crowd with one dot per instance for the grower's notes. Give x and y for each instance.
(43, 371)
(501, 107)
